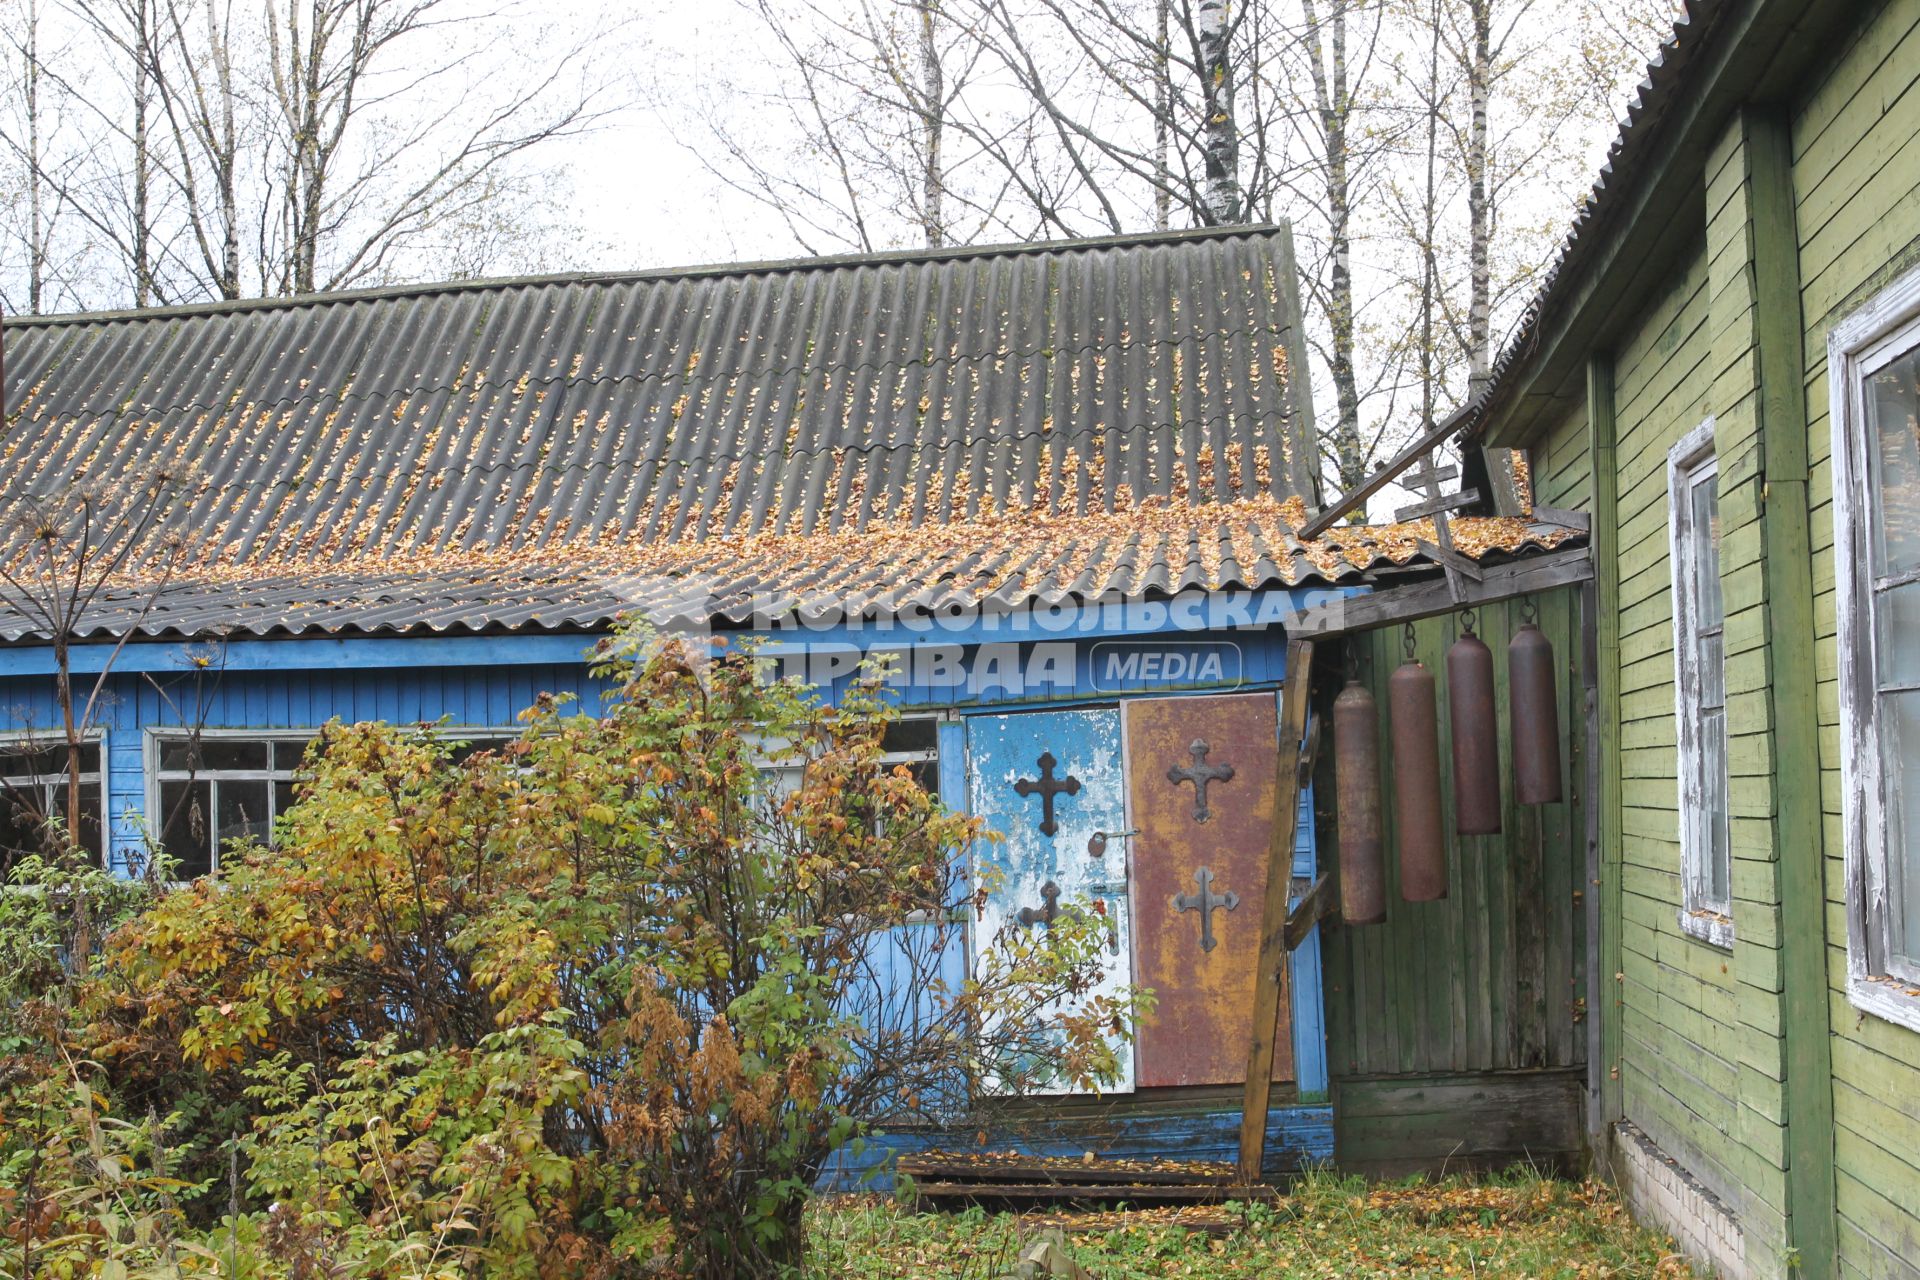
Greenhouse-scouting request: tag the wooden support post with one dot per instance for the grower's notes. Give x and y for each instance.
(1273, 920)
(1605, 984)
(1798, 822)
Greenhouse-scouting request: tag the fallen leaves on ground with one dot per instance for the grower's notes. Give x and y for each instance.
(1516, 1225)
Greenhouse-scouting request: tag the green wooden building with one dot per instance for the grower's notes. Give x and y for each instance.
(1724, 373)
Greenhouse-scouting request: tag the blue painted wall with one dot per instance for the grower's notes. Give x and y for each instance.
(479, 683)
(487, 696)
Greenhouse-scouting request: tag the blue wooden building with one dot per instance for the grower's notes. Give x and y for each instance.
(1060, 482)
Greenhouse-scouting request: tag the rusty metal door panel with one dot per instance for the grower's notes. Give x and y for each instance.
(1201, 789)
(1051, 783)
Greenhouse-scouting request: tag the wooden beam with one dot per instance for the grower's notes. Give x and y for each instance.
(1316, 904)
(1604, 986)
(1393, 605)
(1438, 506)
(1563, 516)
(1436, 434)
(1452, 561)
(1798, 820)
(1273, 919)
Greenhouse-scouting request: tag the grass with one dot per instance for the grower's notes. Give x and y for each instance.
(1513, 1225)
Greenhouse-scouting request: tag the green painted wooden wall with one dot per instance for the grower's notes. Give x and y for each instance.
(1856, 159)
(1456, 1029)
(1706, 1035)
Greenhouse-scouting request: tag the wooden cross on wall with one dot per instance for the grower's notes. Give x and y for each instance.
(1426, 479)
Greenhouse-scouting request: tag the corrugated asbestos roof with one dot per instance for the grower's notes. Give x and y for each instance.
(1073, 419)
(1002, 565)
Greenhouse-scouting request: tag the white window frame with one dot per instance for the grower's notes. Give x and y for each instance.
(158, 735)
(1689, 463)
(1885, 328)
(49, 742)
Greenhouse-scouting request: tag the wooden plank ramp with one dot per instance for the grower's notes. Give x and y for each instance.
(1015, 1180)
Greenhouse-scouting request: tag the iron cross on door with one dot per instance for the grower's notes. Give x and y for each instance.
(1206, 902)
(1201, 792)
(1200, 774)
(1048, 782)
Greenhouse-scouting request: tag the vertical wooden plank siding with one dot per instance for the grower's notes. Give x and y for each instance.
(1457, 1028)
(1491, 977)
(1779, 337)
(1607, 1002)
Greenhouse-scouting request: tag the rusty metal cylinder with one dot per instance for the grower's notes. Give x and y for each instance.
(1476, 737)
(1356, 775)
(1413, 713)
(1534, 715)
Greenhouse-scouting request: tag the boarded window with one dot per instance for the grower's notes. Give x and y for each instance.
(1700, 704)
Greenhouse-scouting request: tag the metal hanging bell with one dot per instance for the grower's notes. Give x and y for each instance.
(1476, 736)
(1534, 716)
(1413, 714)
(1356, 773)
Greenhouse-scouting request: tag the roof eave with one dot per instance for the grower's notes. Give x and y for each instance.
(1652, 209)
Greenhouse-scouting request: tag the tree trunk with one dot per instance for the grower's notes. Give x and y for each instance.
(1327, 53)
(226, 157)
(1430, 212)
(1479, 203)
(1162, 118)
(75, 853)
(142, 46)
(933, 92)
(36, 209)
(1211, 30)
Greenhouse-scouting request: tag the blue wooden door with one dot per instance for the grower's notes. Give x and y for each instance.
(1051, 784)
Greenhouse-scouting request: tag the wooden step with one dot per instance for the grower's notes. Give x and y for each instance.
(1063, 1170)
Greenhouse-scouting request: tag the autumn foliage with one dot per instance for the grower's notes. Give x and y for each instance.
(601, 1002)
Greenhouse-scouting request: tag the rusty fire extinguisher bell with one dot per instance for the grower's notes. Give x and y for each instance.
(1356, 772)
(1476, 735)
(1415, 720)
(1535, 714)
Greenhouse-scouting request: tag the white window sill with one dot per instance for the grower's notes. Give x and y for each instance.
(1889, 999)
(1709, 927)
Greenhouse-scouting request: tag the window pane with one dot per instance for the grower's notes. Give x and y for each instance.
(91, 827)
(1901, 754)
(184, 810)
(23, 828)
(1716, 876)
(463, 747)
(235, 754)
(241, 810)
(45, 757)
(910, 735)
(927, 774)
(1704, 521)
(287, 755)
(1896, 616)
(283, 798)
(1893, 419)
(179, 755)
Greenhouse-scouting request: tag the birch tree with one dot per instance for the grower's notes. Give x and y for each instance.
(1211, 38)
